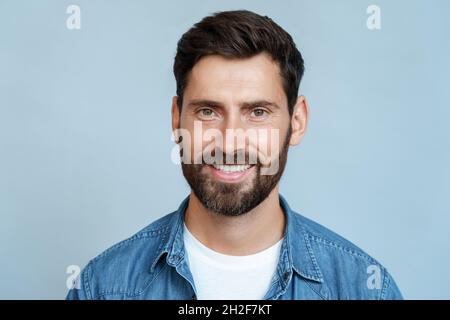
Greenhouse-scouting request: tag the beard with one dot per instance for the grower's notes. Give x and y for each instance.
(234, 199)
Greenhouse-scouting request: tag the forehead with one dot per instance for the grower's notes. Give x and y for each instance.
(234, 80)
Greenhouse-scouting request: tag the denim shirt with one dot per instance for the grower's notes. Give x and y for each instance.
(314, 263)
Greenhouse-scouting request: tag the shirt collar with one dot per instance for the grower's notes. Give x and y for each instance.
(296, 250)
(298, 246)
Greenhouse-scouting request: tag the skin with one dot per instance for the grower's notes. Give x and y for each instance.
(230, 83)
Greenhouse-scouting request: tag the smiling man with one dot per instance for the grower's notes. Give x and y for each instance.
(235, 115)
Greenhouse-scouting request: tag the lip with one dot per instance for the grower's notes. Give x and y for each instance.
(230, 177)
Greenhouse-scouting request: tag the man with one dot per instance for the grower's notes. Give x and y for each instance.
(234, 236)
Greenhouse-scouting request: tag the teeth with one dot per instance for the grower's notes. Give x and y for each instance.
(231, 168)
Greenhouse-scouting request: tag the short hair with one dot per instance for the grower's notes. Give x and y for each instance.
(239, 34)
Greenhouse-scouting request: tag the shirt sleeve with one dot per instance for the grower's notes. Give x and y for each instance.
(83, 292)
(390, 289)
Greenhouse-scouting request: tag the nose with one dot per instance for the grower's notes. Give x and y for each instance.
(233, 131)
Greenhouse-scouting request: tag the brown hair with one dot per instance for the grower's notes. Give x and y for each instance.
(239, 34)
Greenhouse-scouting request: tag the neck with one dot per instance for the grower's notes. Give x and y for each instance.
(246, 234)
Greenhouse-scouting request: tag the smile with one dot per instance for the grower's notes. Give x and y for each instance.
(230, 173)
(231, 168)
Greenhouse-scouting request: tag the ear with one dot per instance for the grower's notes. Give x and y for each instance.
(299, 120)
(175, 114)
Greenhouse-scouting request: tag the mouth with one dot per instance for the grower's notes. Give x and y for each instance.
(230, 173)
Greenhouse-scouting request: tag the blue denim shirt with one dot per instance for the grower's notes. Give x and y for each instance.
(314, 263)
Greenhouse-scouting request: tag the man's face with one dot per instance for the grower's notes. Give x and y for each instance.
(236, 116)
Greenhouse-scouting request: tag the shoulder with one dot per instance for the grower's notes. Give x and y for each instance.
(348, 272)
(122, 271)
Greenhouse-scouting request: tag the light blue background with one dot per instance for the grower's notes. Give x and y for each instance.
(85, 131)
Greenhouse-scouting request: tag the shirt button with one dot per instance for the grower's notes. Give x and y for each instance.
(286, 276)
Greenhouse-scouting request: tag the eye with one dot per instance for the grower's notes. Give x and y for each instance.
(206, 112)
(258, 113)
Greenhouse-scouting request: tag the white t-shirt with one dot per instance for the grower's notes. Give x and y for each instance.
(220, 276)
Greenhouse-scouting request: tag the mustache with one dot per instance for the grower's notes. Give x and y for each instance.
(242, 157)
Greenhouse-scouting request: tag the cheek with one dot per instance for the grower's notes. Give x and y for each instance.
(199, 140)
(270, 141)
(192, 137)
(201, 143)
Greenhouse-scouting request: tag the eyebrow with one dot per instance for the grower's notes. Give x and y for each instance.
(246, 104)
